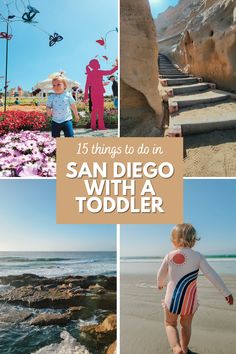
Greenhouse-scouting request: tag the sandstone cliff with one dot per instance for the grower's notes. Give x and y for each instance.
(200, 36)
(141, 108)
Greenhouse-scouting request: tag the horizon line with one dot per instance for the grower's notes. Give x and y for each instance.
(58, 251)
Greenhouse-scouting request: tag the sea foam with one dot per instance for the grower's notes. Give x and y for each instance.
(69, 345)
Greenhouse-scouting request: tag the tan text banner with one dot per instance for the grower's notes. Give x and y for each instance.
(119, 181)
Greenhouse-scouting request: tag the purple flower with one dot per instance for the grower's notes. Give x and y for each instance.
(27, 154)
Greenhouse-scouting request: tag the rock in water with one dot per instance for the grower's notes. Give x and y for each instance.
(104, 332)
(141, 108)
(67, 346)
(201, 37)
(62, 293)
(14, 316)
(112, 348)
(22, 280)
(109, 324)
(48, 319)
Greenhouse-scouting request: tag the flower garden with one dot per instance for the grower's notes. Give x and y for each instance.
(26, 146)
(27, 154)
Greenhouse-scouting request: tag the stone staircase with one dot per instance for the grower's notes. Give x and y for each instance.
(194, 106)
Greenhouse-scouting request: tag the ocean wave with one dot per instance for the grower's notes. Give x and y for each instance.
(47, 260)
(158, 260)
(141, 260)
(226, 259)
(5, 287)
(109, 273)
(23, 260)
(69, 345)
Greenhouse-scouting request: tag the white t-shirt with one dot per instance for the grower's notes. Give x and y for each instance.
(60, 105)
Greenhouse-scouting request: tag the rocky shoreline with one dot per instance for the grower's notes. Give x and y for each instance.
(63, 300)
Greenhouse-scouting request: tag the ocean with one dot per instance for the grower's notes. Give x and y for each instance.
(22, 338)
(56, 264)
(223, 264)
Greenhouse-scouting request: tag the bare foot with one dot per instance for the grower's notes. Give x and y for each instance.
(177, 350)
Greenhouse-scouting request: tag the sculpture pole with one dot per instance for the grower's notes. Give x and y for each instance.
(6, 68)
(10, 17)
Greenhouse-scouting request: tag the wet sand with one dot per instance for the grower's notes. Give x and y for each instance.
(142, 330)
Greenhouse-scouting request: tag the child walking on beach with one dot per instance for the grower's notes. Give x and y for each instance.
(59, 106)
(181, 268)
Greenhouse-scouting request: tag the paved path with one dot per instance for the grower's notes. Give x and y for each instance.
(83, 132)
(79, 133)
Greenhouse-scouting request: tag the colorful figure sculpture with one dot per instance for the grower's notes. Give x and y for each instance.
(94, 86)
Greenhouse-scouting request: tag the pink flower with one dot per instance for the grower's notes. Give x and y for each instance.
(26, 154)
(28, 171)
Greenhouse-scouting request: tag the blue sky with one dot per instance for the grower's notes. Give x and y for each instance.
(209, 205)
(28, 221)
(158, 6)
(80, 22)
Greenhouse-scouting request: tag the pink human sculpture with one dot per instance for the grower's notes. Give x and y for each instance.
(95, 88)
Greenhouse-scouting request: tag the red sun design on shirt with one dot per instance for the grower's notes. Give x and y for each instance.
(179, 258)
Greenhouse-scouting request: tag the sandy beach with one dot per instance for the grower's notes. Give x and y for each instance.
(142, 330)
(219, 145)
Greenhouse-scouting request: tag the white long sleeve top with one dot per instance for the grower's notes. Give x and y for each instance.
(179, 271)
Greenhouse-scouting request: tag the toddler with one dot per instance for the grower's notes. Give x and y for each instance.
(181, 266)
(59, 106)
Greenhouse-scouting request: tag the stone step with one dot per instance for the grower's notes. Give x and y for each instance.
(165, 63)
(174, 76)
(185, 89)
(208, 97)
(180, 81)
(171, 71)
(163, 59)
(207, 118)
(167, 66)
(170, 66)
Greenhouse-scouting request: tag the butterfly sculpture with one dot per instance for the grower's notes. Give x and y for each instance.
(28, 16)
(53, 39)
(101, 41)
(4, 35)
(32, 9)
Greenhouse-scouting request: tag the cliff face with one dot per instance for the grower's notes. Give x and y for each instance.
(141, 108)
(200, 36)
(174, 20)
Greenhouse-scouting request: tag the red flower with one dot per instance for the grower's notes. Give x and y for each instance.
(17, 120)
